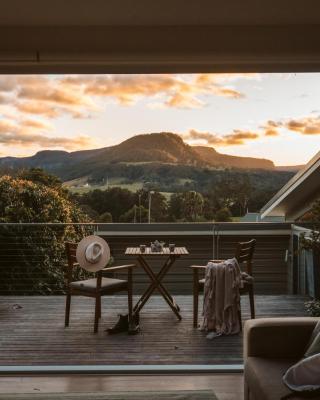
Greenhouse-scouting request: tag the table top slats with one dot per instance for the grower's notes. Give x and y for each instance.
(165, 251)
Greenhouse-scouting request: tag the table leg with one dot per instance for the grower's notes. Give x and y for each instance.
(156, 284)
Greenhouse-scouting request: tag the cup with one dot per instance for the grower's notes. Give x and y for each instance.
(142, 248)
(171, 247)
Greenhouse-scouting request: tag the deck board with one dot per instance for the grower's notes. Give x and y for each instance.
(35, 335)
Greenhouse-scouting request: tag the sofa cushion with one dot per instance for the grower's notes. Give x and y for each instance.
(305, 375)
(264, 378)
(314, 343)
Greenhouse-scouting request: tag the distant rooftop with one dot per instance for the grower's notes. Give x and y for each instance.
(256, 217)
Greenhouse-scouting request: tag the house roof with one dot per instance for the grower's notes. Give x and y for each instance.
(296, 197)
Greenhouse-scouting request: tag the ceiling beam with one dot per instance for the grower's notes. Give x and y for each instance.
(159, 49)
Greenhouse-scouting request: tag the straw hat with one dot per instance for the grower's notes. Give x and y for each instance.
(93, 253)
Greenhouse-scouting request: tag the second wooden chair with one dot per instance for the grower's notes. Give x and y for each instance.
(243, 254)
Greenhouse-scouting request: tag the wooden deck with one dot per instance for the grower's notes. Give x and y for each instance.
(32, 332)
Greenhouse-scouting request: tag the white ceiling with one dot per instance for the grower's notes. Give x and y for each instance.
(158, 12)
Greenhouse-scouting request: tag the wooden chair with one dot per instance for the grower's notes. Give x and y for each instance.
(95, 287)
(244, 254)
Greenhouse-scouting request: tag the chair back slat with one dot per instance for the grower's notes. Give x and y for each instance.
(244, 254)
(71, 249)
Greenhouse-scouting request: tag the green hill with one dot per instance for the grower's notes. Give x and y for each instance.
(156, 148)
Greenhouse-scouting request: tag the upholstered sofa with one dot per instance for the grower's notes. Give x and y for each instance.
(271, 346)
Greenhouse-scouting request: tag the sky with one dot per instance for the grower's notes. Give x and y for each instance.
(273, 116)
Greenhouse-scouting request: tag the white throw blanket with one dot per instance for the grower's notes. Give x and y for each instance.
(221, 304)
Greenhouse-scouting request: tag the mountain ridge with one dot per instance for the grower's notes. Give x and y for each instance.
(163, 147)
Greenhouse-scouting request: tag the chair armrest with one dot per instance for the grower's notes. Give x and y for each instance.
(200, 267)
(277, 337)
(204, 266)
(118, 268)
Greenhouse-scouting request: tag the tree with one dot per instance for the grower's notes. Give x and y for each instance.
(38, 175)
(175, 207)
(187, 206)
(133, 215)
(223, 215)
(192, 205)
(106, 217)
(36, 252)
(87, 210)
(114, 200)
(159, 204)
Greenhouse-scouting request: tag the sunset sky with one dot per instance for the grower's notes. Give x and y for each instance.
(275, 116)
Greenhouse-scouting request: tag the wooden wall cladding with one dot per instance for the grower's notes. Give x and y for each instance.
(269, 266)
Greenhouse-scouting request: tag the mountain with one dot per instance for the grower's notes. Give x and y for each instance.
(212, 157)
(160, 148)
(290, 168)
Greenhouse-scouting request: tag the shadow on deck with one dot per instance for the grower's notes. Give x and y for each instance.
(32, 332)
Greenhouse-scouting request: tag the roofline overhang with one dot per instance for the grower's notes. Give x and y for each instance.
(289, 188)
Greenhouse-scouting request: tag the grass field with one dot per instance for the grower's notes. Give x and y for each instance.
(81, 186)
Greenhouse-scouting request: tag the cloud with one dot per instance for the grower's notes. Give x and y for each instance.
(35, 124)
(46, 96)
(5, 99)
(271, 132)
(52, 97)
(177, 91)
(309, 125)
(235, 138)
(27, 140)
(229, 92)
(306, 125)
(271, 128)
(179, 100)
(56, 95)
(37, 108)
(26, 133)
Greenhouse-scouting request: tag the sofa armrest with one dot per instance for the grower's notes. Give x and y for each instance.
(277, 337)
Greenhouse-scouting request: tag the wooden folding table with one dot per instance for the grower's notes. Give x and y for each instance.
(156, 279)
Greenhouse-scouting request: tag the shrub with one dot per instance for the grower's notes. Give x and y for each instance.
(32, 256)
(313, 308)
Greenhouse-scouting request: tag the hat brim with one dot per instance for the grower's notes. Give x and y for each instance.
(81, 250)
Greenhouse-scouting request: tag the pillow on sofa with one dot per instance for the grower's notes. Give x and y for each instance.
(304, 376)
(314, 343)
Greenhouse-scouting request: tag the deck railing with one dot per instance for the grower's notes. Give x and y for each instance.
(32, 255)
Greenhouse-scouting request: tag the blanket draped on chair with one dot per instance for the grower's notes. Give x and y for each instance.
(221, 305)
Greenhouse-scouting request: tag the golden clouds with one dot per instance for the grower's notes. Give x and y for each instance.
(309, 125)
(40, 96)
(37, 108)
(305, 125)
(179, 100)
(237, 137)
(177, 91)
(46, 96)
(271, 128)
(271, 132)
(28, 132)
(51, 97)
